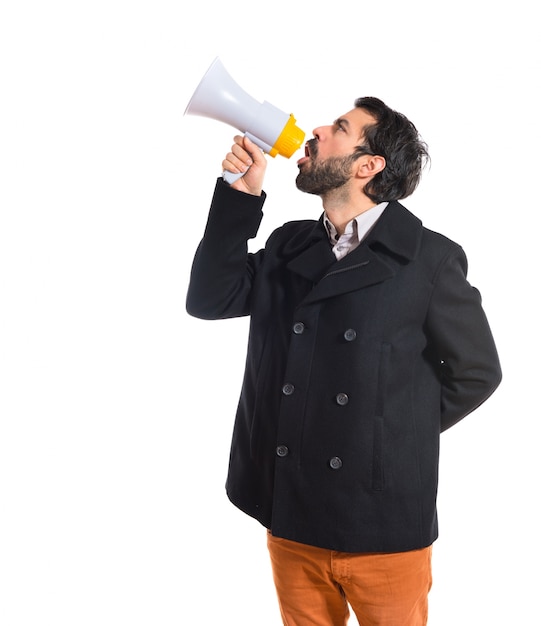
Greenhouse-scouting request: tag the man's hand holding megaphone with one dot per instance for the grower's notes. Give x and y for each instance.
(246, 158)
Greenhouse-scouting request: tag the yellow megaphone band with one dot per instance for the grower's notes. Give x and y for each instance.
(289, 140)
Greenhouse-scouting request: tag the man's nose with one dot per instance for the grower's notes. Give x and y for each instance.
(318, 132)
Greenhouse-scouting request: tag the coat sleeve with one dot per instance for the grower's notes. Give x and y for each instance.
(223, 271)
(458, 327)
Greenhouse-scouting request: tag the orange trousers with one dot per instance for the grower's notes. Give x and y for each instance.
(316, 587)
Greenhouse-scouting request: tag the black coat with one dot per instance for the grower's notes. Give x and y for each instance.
(354, 367)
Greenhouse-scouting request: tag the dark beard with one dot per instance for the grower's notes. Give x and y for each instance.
(320, 177)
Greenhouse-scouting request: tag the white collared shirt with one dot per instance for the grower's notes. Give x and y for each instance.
(355, 231)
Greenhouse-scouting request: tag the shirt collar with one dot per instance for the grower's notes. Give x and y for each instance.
(358, 227)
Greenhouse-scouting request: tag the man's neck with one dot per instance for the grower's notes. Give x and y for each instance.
(341, 211)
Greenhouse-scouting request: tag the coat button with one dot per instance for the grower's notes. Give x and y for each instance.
(350, 334)
(282, 451)
(335, 463)
(288, 389)
(298, 328)
(342, 399)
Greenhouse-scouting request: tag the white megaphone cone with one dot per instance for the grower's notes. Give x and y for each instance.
(219, 97)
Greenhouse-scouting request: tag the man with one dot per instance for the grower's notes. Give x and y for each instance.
(366, 341)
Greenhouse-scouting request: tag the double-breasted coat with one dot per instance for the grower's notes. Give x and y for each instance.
(353, 369)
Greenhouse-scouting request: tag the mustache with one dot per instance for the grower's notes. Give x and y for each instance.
(312, 147)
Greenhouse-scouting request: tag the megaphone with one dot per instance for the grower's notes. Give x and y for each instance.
(219, 97)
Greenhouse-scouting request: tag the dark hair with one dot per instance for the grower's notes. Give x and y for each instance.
(396, 139)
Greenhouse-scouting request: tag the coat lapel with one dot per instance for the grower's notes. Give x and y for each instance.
(357, 270)
(314, 262)
(310, 252)
(397, 233)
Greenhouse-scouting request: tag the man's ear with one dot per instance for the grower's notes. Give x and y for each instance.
(368, 165)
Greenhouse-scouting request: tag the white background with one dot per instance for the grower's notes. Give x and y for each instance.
(117, 408)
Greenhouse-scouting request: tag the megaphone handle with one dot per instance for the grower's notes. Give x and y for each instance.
(230, 178)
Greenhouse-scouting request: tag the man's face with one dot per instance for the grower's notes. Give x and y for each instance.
(329, 156)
